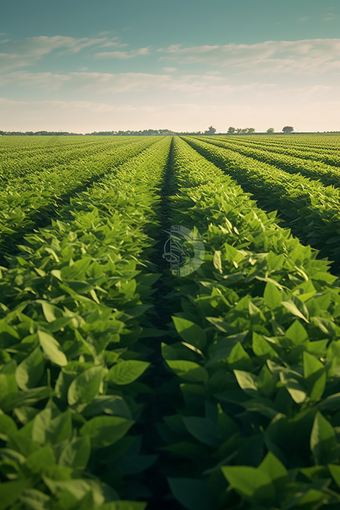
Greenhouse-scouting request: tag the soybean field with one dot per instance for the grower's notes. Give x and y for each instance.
(170, 322)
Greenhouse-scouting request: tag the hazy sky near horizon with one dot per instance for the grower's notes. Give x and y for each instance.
(85, 66)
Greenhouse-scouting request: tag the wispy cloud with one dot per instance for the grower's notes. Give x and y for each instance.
(193, 84)
(169, 69)
(122, 55)
(26, 52)
(270, 57)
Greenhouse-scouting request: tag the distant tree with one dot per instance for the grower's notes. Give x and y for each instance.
(251, 130)
(231, 130)
(239, 130)
(210, 131)
(270, 131)
(288, 129)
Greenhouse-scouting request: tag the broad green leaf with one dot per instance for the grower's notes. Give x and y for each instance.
(217, 261)
(239, 359)
(76, 453)
(77, 270)
(30, 370)
(301, 312)
(126, 372)
(202, 429)
(188, 370)
(84, 388)
(8, 382)
(297, 333)
(38, 461)
(315, 375)
(266, 382)
(272, 296)
(262, 348)
(50, 429)
(190, 332)
(113, 405)
(251, 483)
(323, 439)
(106, 430)
(34, 499)
(191, 493)
(7, 426)
(80, 488)
(124, 505)
(295, 389)
(275, 470)
(11, 491)
(247, 382)
(51, 348)
(335, 472)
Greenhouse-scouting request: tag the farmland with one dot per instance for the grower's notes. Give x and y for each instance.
(126, 385)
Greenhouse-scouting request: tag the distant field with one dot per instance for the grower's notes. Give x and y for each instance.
(169, 322)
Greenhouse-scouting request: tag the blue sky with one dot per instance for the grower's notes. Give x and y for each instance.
(107, 65)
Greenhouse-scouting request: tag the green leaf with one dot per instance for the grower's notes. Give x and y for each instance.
(297, 308)
(30, 370)
(191, 493)
(85, 386)
(50, 429)
(106, 430)
(297, 333)
(335, 472)
(188, 370)
(247, 382)
(272, 296)
(315, 375)
(10, 492)
(7, 426)
(109, 404)
(190, 332)
(76, 454)
(202, 429)
(217, 261)
(251, 483)
(322, 440)
(262, 348)
(51, 348)
(124, 505)
(275, 470)
(295, 389)
(126, 372)
(38, 461)
(34, 499)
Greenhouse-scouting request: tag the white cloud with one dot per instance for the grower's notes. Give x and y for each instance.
(169, 69)
(90, 82)
(122, 55)
(273, 57)
(26, 52)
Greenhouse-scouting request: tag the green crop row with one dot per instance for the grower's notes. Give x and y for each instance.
(73, 307)
(327, 174)
(318, 143)
(256, 356)
(54, 155)
(311, 210)
(36, 197)
(325, 155)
